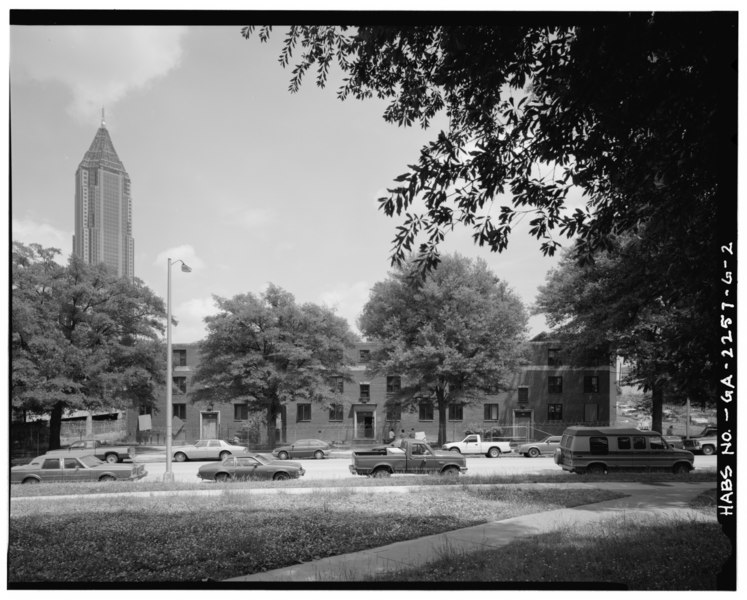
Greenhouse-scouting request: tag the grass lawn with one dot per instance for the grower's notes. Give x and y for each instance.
(638, 552)
(62, 489)
(186, 538)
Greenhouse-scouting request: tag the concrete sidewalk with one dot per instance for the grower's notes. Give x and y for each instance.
(671, 498)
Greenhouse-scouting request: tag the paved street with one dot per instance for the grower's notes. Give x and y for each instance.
(337, 468)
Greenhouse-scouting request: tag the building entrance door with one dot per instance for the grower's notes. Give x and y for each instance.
(523, 423)
(209, 426)
(364, 425)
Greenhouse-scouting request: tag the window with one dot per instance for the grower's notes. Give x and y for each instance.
(240, 412)
(456, 412)
(394, 412)
(180, 385)
(491, 412)
(51, 463)
(554, 412)
(598, 445)
(303, 412)
(180, 411)
(639, 442)
(71, 463)
(553, 357)
(657, 443)
(524, 394)
(335, 412)
(365, 392)
(364, 355)
(145, 410)
(337, 385)
(393, 384)
(555, 384)
(425, 410)
(623, 443)
(179, 358)
(591, 384)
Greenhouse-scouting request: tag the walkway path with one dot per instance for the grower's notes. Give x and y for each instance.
(671, 498)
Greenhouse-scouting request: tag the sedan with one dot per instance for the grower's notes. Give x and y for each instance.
(303, 449)
(250, 466)
(207, 450)
(534, 449)
(68, 469)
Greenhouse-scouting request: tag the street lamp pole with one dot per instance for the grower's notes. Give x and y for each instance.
(169, 474)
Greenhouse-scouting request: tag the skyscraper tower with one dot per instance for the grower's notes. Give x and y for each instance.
(103, 208)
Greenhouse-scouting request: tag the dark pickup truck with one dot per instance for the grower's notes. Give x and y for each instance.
(407, 456)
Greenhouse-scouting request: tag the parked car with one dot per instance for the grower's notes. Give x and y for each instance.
(207, 450)
(250, 466)
(534, 449)
(706, 441)
(598, 450)
(101, 450)
(476, 444)
(68, 469)
(303, 449)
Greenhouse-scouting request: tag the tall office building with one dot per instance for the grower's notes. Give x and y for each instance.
(103, 208)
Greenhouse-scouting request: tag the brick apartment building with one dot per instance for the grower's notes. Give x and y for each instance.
(544, 397)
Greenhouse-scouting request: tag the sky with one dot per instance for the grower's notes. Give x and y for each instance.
(245, 182)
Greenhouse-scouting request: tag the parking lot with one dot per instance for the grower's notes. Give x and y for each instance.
(337, 467)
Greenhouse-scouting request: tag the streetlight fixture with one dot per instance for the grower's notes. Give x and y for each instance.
(169, 474)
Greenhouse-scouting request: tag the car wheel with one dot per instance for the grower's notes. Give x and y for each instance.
(381, 472)
(30, 480)
(455, 450)
(221, 477)
(450, 472)
(180, 457)
(319, 455)
(681, 469)
(533, 453)
(596, 469)
(281, 476)
(111, 458)
(107, 478)
(494, 452)
(708, 450)
(283, 455)
(224, 455)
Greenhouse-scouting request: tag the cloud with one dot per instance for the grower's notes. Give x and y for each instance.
(185, 252)
(347, 300)
(100, 65)
(253, 218)
(190, 315)
(47, 236)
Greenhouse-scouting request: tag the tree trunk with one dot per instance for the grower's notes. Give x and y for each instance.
(271, 425)
(55, 426)
(441, 404)
(657, 404)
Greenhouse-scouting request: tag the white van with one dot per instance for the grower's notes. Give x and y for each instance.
(601, 449)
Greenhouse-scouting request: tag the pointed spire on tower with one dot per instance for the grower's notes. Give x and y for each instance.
(103, 117)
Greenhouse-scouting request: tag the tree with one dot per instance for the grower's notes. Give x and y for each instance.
(620, 303)
(635, 112)
(632, 110)
(268, 351)
(81, 338)
(451, 337)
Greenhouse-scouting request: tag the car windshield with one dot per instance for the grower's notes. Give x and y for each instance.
(90, 461)
(262, 458)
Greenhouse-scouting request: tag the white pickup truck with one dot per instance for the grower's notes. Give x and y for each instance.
(474, 444)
